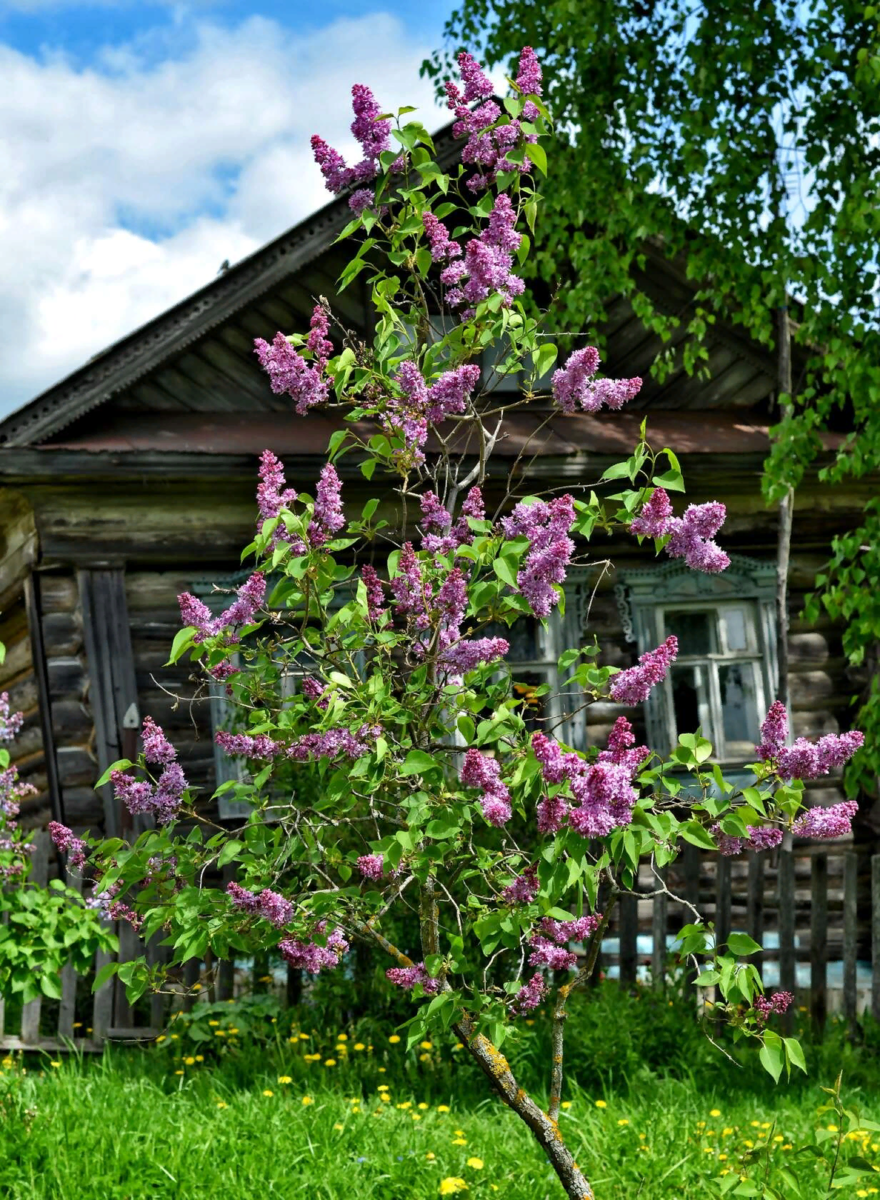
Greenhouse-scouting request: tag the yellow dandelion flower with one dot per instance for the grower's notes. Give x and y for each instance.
(427, 1045)
(459, 1141)
(385, 1097)
(714, 1112)
(161, 1037)
(268, 1092)
(304, 1037)
(623, 1121)
(458, 1132)
(329, 1062)
(423, 1106)
(54, 1063)
(722, 1158)
(188, 1061)
(424, 1058)
(416, 1116)
(601, 1104)
(342, 1037)
(217, 1033)
(234, 1029)
(755, 1124)
(200, 1058)
(338, 1126)
(213, 1023)
(430, 1156)
(382, 1070)
(359, 1046)
(394, 1039)
(832, 1128)
(748, 1142)
(174, 1037)
(307, 1100)
(443, 1108)
(476, 1163)
(77, 1024)
(765, 1124)
(178, 1072)
(452, 1185)
(708, 1150)
(779, 1138)
(566, 1104)
(284, 1079)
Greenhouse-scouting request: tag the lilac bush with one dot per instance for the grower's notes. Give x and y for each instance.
(437, 796)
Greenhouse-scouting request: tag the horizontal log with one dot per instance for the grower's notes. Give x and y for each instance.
(809, 648)
(58, 593)
(67, 677)
(72, 722)
(23, 694)
(76, 766)
(62, 634)
(83, 808)
(18, 660)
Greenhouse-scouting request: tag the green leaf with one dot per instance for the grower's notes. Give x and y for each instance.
(772, 1056)
(417, 762)
(121, 764)
(183, 639)
(670, 480)
(795, 1054)
(742, 945)
(106, 972)
(229, 852)
(538, 155)
(505, 571)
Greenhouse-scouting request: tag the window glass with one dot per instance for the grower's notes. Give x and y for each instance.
(689, 698)
(523, 637)
(534, 709)
(735, 631)
(739, 710)
(695, 631)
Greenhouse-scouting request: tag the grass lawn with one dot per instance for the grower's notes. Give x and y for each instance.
(273, 1119)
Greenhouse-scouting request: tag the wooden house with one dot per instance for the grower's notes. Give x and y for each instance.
(133, 480)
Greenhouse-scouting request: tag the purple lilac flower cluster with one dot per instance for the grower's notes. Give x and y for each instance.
(314, 691)
(602, 792)
(484, 773)
(268, 904)
(524, 888)
(250, 598)
(803, 759)
(272, 496)
(10, 723)
(634, 685)
(246, 746)
(488, 148)
(373, 136)
(622, 749)
(442, 246)
(290, 374)
(761, 837)
(690, 536)
(312, 957)
(409, 414)
(440, 535)
(529, 995)
(574, 386)
(408, 977)
(334, 743)
(765, 1006)
(371, 866)
(487, 265)
(140, 796)
(68, 843)
(577, 930)
(546, 525)
(327, 518)
(826, 823)
(412, 593)
(376, 610)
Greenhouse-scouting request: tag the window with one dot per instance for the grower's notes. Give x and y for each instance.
(724, 677)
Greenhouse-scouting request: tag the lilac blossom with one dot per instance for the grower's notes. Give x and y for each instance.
(487, 148)
(411, 592)
(573, 385)
(622, 749)
(196, 613)
(361, 200)
(761, 837)
(765, 1006)
(529, 995)
(273, 908)
(136, 794)
(169, 793)
(222, 672)
(66, 841)
(634, 685)
(603, 792)
(810, 760)
(318, 340)
(249, 599)
(477, 85)
(440, 535)
(290, 374)
(242, 898)
(375, 596)
(373, 136)
(774, 731)
(547, 954)
(528, 81)
(406, 415)
(272, 497)
(408, 977)
(310, 956)
(246, 746)
(552, 813)
(442, 246)
(157, 749)
(653, 520)
(826, 823)
(333, 743)
(546, 526)
(327, 518)
(524, 888)
(314, 691)
(467, 655)
(451, 392)
(484, 773)
(10, 723)
(371, 866)
(577, 930)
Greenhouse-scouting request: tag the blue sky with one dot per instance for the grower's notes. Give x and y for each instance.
(143, 143)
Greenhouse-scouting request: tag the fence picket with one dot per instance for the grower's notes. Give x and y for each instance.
(629, 930)
(819, 942)
(31, 1012)
(875, 937)
(67, 1010)
(755, 904)
(850, 936)
(659, 915)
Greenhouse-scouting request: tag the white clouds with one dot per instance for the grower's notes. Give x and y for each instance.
(125, 187)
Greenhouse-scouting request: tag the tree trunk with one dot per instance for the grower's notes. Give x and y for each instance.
(786, 514)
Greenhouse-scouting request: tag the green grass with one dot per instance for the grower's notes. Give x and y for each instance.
(129, 1126)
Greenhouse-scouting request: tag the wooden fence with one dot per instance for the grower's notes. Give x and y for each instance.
(815, 910)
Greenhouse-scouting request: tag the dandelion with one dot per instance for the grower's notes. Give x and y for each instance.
(476, 1163)
(459, 1142)
(459, 1132)
(221, 1104)
(394, 1039)
(338, 1126)
(424, 1058)
(200, 1058)
(451, 1185)
(443, 1108)
(430, 1156)
(426, 1045)
(329, 1062)
(359, 1046)
(715, 1112)
(284, 1079)
(178, 1072)
(307, 1100)
(54, 1063)
(424, 1106)
(268, 1092)
(343, 1037)
(566, 1104)
(601, 1104)
(623, 1121)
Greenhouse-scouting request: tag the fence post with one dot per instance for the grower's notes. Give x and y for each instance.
(787, 968)
(755, 904)
(67, 1010)
(819, 942)
(875, 937)
(658, 936)
(850, 937)
(629, 927)
(30, 1014)
(722, 900)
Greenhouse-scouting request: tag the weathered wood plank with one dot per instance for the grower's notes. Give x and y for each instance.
(31, 1012)
(629, 928)
(786, 900)
(722, 900)
(819, 943)
(875, 937)
(67, 1008)
(658, 937)
(850, 936)
(102, 1005)
(755, 903)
